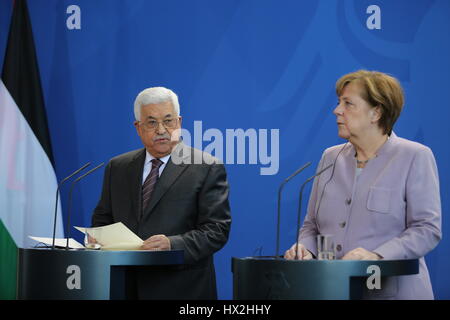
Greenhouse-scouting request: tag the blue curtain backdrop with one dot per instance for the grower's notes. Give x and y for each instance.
(261, 64)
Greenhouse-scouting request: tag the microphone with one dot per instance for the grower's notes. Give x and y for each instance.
(70, 199)
(279, 203)
(326, 183)
(57, 196)
(300, 203)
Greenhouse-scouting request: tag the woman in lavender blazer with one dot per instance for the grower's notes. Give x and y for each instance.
(381, 198)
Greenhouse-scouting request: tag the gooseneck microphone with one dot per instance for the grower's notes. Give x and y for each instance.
(70, 199)
(300, 203)
(279, 203)
(57, 197)
(326, 183)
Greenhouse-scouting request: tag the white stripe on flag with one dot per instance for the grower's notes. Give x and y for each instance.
(27, 178)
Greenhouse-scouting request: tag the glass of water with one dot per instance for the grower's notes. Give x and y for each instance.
(325, 247)
(91, 237)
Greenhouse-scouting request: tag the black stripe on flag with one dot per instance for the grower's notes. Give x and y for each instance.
(21, 75)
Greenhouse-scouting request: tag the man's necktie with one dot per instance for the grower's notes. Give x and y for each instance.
(149, 184)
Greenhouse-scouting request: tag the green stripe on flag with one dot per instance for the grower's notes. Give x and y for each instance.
(8, 266)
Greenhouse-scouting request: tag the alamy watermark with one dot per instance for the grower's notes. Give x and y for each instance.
(374, 280)
(234, 146)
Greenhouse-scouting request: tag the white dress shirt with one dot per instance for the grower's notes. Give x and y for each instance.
(148, 165)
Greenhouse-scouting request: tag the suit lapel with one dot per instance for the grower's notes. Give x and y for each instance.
(347, 171)
(172, 171)
(135, 169)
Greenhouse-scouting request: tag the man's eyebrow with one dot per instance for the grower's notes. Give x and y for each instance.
(169, 115)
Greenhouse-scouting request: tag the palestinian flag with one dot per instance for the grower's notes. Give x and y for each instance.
(27, 177)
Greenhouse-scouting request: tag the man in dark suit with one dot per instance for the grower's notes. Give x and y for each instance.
(172, 196)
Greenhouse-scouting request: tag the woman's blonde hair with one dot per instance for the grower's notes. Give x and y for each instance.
(379, 90)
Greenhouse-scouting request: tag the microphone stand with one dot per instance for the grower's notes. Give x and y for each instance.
(70, 200)
(57, 197)
(279, 204)
(300, 204)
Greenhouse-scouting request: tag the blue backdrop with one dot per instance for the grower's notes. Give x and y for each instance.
(238, 64)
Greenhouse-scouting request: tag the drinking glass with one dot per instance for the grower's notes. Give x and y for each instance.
(90, 238)
(325, 247)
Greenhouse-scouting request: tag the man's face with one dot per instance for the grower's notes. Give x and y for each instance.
(159, 128)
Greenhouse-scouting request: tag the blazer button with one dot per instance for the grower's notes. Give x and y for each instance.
(342, 224)
(348, 201)
(339, 247)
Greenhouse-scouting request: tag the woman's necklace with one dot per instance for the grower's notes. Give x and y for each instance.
(362, 161)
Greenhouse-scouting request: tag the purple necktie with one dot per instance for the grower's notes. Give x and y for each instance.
(149, 184)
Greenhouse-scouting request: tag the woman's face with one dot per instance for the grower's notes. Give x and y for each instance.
(355, 117)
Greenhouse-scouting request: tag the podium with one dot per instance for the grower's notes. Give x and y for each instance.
(82, 274)
(270, 278)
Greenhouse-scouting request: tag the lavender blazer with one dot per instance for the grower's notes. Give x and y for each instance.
(392, 208)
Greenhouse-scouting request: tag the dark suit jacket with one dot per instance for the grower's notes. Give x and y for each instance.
(189, 205)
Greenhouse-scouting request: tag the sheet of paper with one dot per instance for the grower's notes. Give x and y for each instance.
(73, 244)
(114, 237)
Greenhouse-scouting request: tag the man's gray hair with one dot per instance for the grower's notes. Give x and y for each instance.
(155, 95)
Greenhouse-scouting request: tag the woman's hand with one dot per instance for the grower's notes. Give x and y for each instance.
(302, 253)
(361, 254)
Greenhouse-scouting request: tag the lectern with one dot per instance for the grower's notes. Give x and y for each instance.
(83, 274)
(261, 278)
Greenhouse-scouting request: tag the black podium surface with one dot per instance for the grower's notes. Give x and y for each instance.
(83, 274)
(265, 278)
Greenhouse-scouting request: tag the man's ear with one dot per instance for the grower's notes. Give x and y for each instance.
(138, 128)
